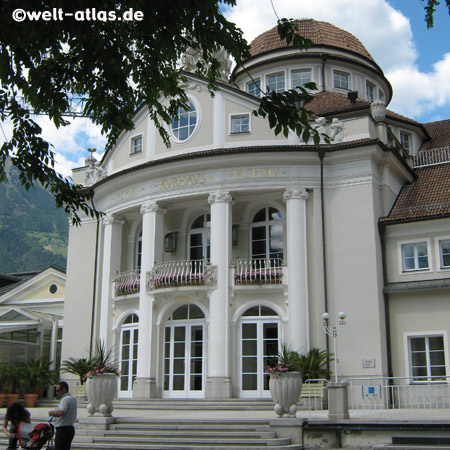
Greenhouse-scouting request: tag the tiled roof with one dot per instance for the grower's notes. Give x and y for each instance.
(320, 33)
(440, 134)
(325, 103)
(426, 197)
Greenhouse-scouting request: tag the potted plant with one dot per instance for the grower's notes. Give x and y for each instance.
(285, 382)
(11, 383)
(101, 381)
(2, 383)
(36, 377)
(79, 367)
(313, 364)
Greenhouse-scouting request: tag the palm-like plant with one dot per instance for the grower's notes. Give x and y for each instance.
(77, 366)
(313, 365)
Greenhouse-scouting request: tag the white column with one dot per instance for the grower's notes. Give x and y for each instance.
(297, 260)
(218, 383)
(152, 251)
(112, 249)
(219, 120)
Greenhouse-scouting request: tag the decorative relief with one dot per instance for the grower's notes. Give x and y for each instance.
(193, 56)
(335, 130)
(295, 192)
(210, 275)
(219, 197)
(94, 171)
(151, 206)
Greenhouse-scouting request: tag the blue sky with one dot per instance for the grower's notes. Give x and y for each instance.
(414, 59)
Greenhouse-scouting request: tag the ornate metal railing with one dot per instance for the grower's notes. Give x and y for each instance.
(258, 271)
(126, 283)
(180, 273)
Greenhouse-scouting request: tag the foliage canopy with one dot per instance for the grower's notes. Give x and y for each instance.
(117, 66)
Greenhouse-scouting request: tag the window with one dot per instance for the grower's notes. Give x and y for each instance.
(139, 251)
(301, 77)
(445, 254)
(276, 83)
(427, 358)
(184, 124)
(136, 145)
(406, 140)
(415, 256)
(199, 238)
(370, 89)
(240, 124)
(254, 88)
(267, 234)
(341, 80)
(129, 334)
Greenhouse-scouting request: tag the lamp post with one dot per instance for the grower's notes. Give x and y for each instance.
(334, 332)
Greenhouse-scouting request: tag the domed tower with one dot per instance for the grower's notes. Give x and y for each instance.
(336, 61)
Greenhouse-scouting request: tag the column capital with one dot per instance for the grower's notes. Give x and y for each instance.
(151, 206)
(220, 197)
(109, 219)
(295, 192)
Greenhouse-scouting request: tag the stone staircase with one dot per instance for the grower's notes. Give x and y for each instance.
(130, 433)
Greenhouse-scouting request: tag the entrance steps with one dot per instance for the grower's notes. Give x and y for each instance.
(148, 434)
(238, 404)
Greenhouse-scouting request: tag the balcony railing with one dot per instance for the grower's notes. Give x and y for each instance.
(126, 283)
(178, 273)
(258, 271)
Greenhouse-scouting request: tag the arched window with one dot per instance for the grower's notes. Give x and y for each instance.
(199, 238)
(129, 332)
(267, 234)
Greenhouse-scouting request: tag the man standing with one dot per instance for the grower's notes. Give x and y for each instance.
(65, 414)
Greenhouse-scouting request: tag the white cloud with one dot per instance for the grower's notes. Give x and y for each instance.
(70, 143)
(383, 30)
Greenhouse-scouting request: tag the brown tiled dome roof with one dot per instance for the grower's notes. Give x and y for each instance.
(320, 33)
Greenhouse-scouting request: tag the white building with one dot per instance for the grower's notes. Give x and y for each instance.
(31, 316)
(232, 241)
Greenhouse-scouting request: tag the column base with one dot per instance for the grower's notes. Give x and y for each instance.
(338, 401)
(217, 388)
(144, 388)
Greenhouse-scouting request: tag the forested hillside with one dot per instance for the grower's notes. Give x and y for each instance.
(33, 232)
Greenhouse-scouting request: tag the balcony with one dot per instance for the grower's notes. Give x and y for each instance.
(180, 273)
(126, 283)
(258, 271)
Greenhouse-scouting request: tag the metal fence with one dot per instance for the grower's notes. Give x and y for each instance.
(398, 394)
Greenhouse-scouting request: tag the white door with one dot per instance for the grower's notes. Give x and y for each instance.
(184, 358)
(259, 346)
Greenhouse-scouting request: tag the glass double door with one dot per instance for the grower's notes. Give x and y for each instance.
(259, 347)
(184, 360)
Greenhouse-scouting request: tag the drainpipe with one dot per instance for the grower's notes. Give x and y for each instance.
(324, 60)
(324, 256)
(382, 230)
(94, 286)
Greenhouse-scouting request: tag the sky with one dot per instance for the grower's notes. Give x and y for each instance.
(416, 60)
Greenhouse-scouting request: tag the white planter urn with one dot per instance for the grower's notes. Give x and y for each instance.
(100, 391)
(285, 389)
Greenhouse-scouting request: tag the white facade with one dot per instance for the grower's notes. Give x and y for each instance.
(215, 251)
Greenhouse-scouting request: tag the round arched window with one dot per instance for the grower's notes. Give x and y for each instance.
(183, 125)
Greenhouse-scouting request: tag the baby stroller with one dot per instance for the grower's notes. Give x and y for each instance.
(34, 436)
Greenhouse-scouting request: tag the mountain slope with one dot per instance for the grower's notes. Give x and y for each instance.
(33, 232)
